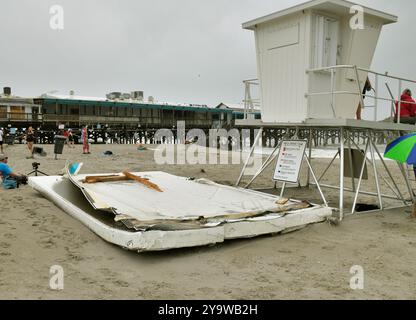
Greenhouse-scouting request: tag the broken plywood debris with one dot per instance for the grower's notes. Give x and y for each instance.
(125, 177)
(203, 222)
(187, 214)
(109, 178)
(143, 181)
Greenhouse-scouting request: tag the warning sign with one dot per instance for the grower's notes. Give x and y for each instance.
(290, 161)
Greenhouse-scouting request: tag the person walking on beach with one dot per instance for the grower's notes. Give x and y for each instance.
(66, 134)
(85, 142)
(1, 139)
(70, 139)
(30, 140)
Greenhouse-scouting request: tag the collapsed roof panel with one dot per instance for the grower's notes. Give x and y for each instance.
(181, 198)
(183, 213)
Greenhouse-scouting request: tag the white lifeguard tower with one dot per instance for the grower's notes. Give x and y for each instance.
(313, 61)
(314, 36)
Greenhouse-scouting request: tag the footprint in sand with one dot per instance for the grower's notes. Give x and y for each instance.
(407, 274)
(285, 251)
(109, 275)
(47, 243)
(207, 291)
(5, 245)
(75, 257)
(88, 280)
(391, 225)
(10, 236)
(121, 283)
(262, 279)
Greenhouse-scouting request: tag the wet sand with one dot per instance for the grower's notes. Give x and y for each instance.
(313, 263)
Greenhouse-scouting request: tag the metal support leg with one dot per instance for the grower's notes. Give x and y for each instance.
(373, 159)
(329, 166)
(283, 190)
(350, 160)
(341, 176)
(310, 155)
(316, 181)
(389, 173)
(373, 194)
(269, 161)
(249, 156)
(397, 191)
(409, 187)
(357, 193)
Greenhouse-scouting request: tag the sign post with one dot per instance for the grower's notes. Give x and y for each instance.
(289, 163)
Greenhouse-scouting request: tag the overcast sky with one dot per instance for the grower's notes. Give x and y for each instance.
(186, 51)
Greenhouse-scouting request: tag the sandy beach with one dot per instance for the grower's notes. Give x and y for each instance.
(313, 263)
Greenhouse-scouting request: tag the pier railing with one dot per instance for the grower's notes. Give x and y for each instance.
(376, 78)
(20, 117)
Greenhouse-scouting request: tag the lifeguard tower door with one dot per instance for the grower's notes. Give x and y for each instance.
(325, 53)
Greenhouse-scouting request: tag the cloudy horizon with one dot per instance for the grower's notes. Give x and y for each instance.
(184, 51)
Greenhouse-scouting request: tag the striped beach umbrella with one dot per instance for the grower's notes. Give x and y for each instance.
(403, 149)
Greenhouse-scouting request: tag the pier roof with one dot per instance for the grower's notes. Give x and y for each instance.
(80, 100)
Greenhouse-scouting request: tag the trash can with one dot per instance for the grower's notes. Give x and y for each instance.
(9, 139)
(59, 144)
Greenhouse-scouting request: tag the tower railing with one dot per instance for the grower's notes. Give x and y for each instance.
(375, 78)
(251, 105)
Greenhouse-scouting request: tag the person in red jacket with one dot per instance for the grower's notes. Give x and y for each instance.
(407, 108)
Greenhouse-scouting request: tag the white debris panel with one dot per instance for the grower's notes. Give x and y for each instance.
(183, 213)
(181, 199)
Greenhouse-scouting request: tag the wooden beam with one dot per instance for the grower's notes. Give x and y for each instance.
(143, 181)
(112, 178)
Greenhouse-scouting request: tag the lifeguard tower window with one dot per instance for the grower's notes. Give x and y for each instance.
(326, 41)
